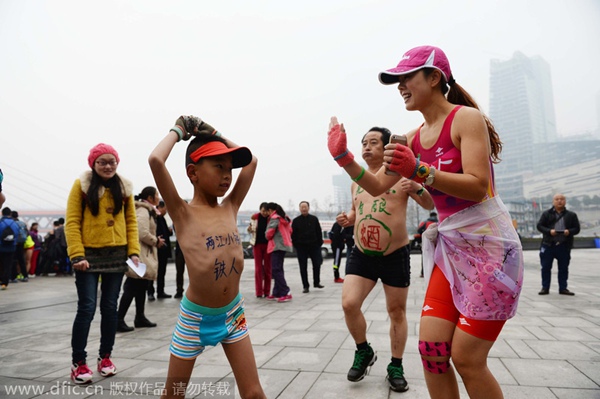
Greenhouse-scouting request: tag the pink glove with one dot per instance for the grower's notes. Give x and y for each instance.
(405, 164)
(336, 142)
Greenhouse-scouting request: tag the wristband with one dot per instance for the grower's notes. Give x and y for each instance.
(77, 259)
(217, 133)
(421, 191)
(177, 129)
(342, 155)
(360, 175)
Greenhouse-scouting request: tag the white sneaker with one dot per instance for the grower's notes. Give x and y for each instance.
(106, 366)
(81, 373)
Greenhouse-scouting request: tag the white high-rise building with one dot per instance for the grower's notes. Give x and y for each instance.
(522, 110)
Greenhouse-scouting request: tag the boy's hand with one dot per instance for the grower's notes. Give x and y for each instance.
(193, 125)
(336, 142)
(402, 161)
(189, 125)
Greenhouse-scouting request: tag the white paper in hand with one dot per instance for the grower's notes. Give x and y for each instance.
(140, 269)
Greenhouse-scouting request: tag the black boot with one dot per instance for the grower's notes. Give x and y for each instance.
(123, 327)
(143, 322)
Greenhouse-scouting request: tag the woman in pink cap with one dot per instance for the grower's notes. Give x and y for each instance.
(473, 259)
(102, 233)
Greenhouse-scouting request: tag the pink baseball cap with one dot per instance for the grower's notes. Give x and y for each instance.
(100, 149)
(415, 59)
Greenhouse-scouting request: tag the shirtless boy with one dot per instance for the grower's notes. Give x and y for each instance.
(212, 310)
(382, 251)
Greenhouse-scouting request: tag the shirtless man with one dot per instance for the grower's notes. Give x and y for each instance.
(382, 251)
(212, 310)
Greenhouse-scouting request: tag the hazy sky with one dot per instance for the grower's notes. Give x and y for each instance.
(268, 74)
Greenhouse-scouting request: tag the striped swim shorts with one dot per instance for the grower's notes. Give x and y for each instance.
(199, 326)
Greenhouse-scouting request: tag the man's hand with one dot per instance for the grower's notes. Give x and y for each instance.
(409, 186)
(342, 219)
(337, 143)
(402, 161)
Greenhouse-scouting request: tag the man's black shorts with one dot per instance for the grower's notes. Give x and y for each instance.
(393, 269)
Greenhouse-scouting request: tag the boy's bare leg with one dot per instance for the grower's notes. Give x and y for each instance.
(241, 358)
(178, 376)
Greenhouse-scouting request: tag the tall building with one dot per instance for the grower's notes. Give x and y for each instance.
(522, 110)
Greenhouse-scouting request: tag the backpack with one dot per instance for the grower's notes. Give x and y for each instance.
(23, 233)
(7, 240)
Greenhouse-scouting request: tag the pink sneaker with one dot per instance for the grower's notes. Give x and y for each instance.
(285, 298)
(106, 366)
(338, 280)
(81, 373)
(271, 298)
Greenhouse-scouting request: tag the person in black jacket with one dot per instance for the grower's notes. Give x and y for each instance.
(558, 225)
(164, 254)
(307, 238)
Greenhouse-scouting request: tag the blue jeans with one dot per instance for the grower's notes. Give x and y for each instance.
(562, 254)
(87, 292)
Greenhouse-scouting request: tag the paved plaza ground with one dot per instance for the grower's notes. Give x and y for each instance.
(550, 350)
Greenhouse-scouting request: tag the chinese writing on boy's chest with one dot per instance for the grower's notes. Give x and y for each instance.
(221, 269)
(213, 242)
(219, 241)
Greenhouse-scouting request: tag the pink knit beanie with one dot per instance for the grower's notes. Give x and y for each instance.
(100, 149)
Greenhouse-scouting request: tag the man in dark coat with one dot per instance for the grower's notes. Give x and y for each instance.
(558, 225)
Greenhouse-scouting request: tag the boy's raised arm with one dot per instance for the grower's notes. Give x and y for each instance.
(244, 180)
(162, 177)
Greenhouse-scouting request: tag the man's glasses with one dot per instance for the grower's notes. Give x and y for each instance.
(109, 163)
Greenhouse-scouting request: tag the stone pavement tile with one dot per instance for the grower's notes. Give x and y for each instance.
(589, 368)
(560, 350)
(379, 327)
(595, 345)
(564, 393)
(540, 333)
(160, 353)
(262, 354)
(146, 368)
(568, 321)
(334, 339)
(547, 373)
(296, 388)
(134, 347)
(332, 386)
(31, 365)
(523, 350)
(262, 336)
(293, 383)
(300, 359)
(265, 323)
(525, 392)
(500, 372)
(329, 325)
(512, 331)
(308, 339)
(502, 349)
(568, 333)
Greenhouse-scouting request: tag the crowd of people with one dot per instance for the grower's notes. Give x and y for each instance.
(446, 163)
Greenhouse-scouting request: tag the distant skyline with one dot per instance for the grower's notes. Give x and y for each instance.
(269, 74)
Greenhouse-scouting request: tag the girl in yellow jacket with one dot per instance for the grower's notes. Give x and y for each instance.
(102, 233)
